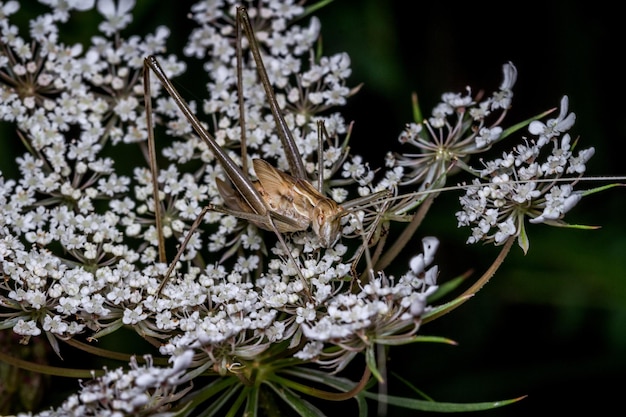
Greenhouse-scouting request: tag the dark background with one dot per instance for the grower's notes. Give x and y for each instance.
(551, 324)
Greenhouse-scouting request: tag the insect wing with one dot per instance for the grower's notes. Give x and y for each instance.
(278, 190)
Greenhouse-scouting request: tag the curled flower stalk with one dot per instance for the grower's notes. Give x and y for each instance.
(236, 319)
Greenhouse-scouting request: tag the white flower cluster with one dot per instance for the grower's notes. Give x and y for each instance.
(526, 182)
(383, 312)
(459, 126)
(62, 254)
(243, 319)
(141, 390)
(71, 264)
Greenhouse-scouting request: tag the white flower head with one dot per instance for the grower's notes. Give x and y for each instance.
(117, 16)
(553, 127)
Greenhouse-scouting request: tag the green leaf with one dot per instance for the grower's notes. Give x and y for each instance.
(447, 287)
(198, 397)
(215, 408)
(441, 407)
(193, 374)
(509, 131)
(320, 377)
(417, 111)
(434, 339)
(443, 308)
(370, 359)
(338, 383)
(54, 343)
(9, 323)
(110, 328)
(601, 188)
(48, 370)
(252, 406)
(314, 7)
(413, 387)
(522, 238)
(362, 404)
(241, 398)
(298, 404)
(401, 340)
(564, 225)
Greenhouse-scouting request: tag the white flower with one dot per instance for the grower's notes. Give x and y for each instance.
(553, 127)
(118, 17)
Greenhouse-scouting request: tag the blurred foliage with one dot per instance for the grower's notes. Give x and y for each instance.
(551, 324)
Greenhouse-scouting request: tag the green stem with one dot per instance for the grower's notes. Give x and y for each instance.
(330, 396)
(479, 283)
(47, 369)
(109, 354)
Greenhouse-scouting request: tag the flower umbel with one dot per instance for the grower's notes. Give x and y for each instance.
(526, 182)
(247, 319)
(459, 126)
